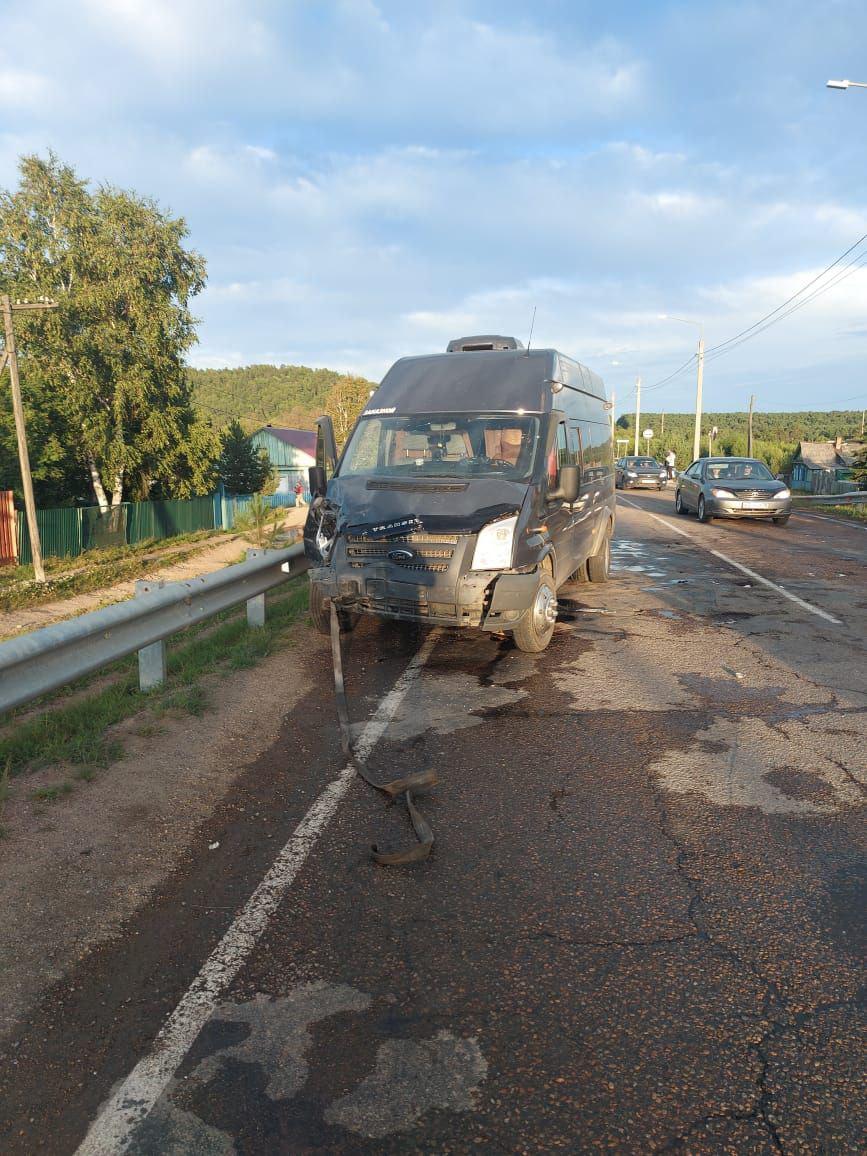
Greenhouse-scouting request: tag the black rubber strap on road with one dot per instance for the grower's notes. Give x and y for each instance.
(424, 780)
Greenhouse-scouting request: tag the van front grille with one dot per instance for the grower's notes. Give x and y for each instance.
(429, 553)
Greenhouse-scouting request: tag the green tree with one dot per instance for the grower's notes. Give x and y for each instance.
(241, 467)
(260, 522)
(347, 398)
(112, 354)
(59, 475)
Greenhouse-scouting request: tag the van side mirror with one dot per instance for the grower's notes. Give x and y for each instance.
(569, 487)
(317, 481)
(326, 444)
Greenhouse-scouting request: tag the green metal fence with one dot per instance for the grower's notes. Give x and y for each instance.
(59, 533)
(68, 532)
(166, 519)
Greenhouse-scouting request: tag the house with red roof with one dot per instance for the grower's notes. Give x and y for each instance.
(292, 452)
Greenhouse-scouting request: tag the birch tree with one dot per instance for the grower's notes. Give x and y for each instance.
(113, 352)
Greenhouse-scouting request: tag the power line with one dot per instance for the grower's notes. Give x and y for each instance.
(665, 380)
(803, 289)
(795, 302)
(842, 275)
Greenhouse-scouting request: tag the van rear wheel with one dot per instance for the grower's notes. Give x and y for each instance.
(534, 631)
(599, 564)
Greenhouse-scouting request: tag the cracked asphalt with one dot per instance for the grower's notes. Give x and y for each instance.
(642, 927)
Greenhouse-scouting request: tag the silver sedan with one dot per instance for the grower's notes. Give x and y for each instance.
(732, 488)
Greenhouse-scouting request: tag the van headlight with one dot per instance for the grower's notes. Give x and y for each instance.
(324, 537)
(783, 494)
(494, 545)
(631, 474)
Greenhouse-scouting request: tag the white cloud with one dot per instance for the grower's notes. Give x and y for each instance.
(20, 89)
(259, 153)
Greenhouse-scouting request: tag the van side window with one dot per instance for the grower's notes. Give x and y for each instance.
(596, 447)
(575, 447)
(566, 455)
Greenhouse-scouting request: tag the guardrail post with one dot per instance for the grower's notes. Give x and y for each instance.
(151, 659)
(256, 606)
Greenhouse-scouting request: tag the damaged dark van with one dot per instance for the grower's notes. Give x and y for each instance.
(474, 484)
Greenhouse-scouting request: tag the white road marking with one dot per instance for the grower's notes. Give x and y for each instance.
(738, 565)
(112, 1130)
(831, 518)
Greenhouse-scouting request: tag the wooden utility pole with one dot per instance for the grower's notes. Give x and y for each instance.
(662, 429)
(10, 358)
(750, 426)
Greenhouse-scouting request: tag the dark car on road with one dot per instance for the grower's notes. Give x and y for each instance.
(732, 488)
(635, 471)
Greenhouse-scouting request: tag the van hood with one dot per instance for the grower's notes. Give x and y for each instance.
(439, 504)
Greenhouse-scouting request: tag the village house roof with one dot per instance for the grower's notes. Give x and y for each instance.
(834, 455)
(300, 439)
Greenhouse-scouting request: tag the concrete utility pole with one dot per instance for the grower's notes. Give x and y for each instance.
(662, 429)
(750, 427)
(10, 357)
(637, 411)
(696, 437)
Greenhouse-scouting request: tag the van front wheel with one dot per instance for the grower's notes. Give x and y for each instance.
(534, 631)
(320, 612)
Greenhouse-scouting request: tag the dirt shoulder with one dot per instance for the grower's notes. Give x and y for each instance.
(212, 556)
(72, 871)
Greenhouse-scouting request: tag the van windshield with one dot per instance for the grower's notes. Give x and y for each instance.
(457, 445)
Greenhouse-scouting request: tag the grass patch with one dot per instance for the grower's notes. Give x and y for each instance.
(52, 794)
(4, 793)
(96, 569)
(76, 734)
(187, 700)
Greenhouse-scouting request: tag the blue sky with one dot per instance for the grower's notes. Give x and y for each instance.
(368, 179)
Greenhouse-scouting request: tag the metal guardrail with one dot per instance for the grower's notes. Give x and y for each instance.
(850, 498)
(46, 659)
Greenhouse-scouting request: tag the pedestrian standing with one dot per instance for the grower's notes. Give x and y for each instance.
(299, 494)
(670, 459)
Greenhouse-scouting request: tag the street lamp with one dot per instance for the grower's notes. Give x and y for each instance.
(696, 438)
(844, 84)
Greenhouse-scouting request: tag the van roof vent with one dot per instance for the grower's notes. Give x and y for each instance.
(485, 342)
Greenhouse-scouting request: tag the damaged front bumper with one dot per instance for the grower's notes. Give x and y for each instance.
(424, 578)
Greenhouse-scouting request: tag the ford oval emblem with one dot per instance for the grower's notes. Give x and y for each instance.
(401, 555)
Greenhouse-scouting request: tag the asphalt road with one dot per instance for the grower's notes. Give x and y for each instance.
(641, 929)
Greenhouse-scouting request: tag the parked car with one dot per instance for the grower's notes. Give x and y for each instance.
(475, 483)
(635, 471)
(732, 488)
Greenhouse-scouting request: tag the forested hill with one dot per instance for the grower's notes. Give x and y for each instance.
(807, 425)
(284, 395)
(776, 435)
